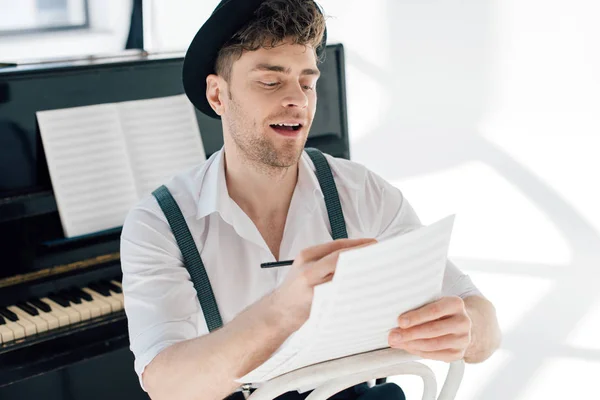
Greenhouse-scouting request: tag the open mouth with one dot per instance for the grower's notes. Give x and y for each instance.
(286, 129)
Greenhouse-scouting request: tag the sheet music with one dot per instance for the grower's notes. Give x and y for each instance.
(103, 158)
(162, 137)
(85, 150)
(371, 287)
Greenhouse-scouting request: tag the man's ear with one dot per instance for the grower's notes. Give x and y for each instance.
(214, 90)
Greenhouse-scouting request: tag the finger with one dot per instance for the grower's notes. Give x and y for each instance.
(323, 270)
(432, 311)
(317, 252)
(449, 355)
(447, 342)
(457, 324)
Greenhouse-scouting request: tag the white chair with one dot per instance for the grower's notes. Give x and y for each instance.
(331, 377)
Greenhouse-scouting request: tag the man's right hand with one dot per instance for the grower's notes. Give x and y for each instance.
(313, 266)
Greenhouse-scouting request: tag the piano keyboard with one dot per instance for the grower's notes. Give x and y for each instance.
(60, 309)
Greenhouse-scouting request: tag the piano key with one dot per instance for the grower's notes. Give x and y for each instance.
(17, 330)
(6, 334)
(60, 316)
(73, 314)
(120, 293)
(113, 287)
(27, 325)
(113, 304)
(96, 287)
(40, 305)
(69, 296)
(93, 307)
(75, 303)
(27, 308)
(103, 306)
(59, 309)
(58, 299)
(52, 320)
(11, 316)
(83, 295)
(39, 324)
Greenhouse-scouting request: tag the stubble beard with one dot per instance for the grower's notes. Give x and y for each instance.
(259, 150)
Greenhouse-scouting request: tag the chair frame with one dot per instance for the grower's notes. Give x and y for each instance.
(331, 377)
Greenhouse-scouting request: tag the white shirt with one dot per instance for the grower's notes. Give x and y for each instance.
(160, 300)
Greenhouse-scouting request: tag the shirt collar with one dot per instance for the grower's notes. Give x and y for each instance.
(214, 196)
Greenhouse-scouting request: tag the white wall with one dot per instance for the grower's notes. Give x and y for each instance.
(489, 109)
(109, 27)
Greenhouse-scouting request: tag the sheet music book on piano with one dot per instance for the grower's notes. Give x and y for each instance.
(103, 158)
(371, 287)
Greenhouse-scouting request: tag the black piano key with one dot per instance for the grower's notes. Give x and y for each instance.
(81, 294)
(59, 299)
(11, 316)
(69, 296)
(73, 294)
(99, 289)
(28, 309)
(112, 286)
(2, 321)
(39, 304)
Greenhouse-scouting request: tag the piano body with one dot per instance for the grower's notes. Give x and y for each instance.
(63, 331)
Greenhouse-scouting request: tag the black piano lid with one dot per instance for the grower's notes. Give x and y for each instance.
(31, 236)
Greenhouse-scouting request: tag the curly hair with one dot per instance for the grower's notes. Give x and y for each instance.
(274, 21)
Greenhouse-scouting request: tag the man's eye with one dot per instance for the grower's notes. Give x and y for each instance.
(270, 84)
(309, 87)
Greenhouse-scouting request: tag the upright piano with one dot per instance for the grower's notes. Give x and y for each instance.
(63, 331)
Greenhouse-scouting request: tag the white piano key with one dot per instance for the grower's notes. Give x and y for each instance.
(105, 305)
(83, 310)
(59, 315)
(29, 326)
(6, 334)
(17, 330)
(93, 307)
(120, 296)
(52, 321)
(39, 323)
(72, 313)
(115, 303)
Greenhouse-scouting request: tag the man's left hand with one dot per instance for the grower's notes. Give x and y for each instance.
(439, 331)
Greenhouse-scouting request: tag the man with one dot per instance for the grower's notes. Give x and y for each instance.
(254, 64)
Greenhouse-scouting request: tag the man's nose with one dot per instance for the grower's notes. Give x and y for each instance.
(295, 97)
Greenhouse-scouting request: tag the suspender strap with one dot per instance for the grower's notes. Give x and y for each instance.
(191, 257)
(332, 200)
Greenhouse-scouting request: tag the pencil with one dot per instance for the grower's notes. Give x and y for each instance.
(277, 264)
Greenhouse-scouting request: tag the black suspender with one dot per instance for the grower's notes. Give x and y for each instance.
(332, 200)
(191, 257)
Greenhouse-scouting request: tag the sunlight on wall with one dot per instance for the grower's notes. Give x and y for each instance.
(494, 220)
(527, 293)
(587, 333)
(561, 153)
(476, 375)
(564, 378)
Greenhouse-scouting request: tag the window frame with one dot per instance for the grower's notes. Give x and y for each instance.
(50, 29)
